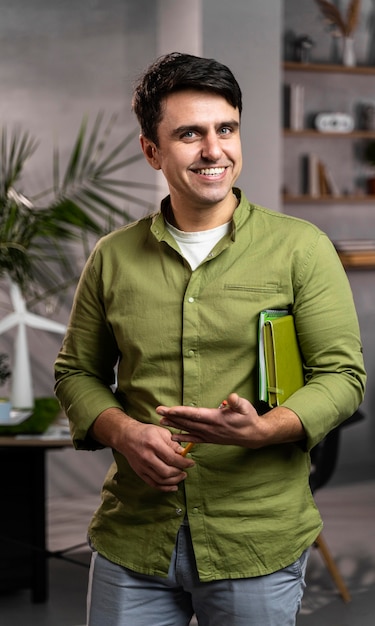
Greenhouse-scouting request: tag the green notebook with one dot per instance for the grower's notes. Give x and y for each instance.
(284, 368)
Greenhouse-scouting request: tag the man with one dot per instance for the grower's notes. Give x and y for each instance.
(174, 300)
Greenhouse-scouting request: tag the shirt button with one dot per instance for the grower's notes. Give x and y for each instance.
(178, 511)
(191, 353)
(191, 299)
(195, 510)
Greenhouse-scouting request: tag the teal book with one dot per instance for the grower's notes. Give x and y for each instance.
(265, 316)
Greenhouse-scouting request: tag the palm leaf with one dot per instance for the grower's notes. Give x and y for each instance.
(88, 198)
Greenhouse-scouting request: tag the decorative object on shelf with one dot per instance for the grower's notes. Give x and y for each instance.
(334, 122)
(302, 48)
(342, 26)
(348, 52)
(368, 117)
(294, 106)
(369, 156)
(5, 405)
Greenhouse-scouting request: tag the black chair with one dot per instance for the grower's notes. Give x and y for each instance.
(323, 463)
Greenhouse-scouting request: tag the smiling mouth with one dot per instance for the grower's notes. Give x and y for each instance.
(211, 171)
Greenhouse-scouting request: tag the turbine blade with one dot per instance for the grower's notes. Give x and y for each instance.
(43, 323)
(8, 322)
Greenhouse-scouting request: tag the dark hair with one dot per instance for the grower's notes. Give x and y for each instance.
(175, 72)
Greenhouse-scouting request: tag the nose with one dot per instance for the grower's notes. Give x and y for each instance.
(211, 147)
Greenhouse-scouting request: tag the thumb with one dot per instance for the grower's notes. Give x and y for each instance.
(237, 404)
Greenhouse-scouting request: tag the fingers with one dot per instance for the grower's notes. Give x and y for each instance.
(233, 423)
(160, 481)
(157, 459)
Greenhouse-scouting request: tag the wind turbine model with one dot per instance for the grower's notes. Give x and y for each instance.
(22, 396)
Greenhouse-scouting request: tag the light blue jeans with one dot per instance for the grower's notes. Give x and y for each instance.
(120, 597)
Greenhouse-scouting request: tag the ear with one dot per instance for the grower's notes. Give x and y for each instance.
(151, 152)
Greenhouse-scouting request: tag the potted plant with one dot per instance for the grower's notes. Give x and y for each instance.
(5, 373)
(87, 197)
(34, 231)
(369, 156)
(342, 25)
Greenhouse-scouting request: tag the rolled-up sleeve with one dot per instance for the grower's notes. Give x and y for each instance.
(329, 339)
(84, 368)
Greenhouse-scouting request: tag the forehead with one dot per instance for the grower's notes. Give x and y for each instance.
(192, 105)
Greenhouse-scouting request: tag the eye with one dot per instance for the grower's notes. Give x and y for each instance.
(225, 130)
(189, 134)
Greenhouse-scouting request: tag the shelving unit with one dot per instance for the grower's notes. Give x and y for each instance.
(354, 259)
(358, 260)
(325, 199)
(293, 66)
(310, 132)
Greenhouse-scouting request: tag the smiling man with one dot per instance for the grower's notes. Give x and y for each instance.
(198, 148)
(173, 302)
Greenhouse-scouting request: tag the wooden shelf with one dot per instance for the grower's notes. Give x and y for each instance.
(315, 134)
(358, 259)
(349, 199)
(293, 66)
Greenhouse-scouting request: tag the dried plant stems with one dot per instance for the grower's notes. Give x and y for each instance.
(344, 26)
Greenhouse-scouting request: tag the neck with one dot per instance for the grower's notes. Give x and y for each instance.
(196, 219)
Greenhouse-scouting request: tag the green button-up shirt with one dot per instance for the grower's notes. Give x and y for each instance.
(190, 337)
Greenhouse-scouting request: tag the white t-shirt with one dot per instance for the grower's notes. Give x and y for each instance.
(197, 245)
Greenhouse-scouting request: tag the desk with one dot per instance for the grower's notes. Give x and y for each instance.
(23, 552)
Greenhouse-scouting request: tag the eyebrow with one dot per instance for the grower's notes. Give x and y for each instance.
(186, 127)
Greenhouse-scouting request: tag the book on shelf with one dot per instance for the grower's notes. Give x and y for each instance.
(313, 185)
(280, 361)
(330, 182)
(320, 181)
(294, 106)
(358, 253)
(354, 245)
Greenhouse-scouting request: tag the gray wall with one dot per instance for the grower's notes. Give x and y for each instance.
(63, 59)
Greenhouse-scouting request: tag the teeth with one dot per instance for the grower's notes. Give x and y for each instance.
(211, 171)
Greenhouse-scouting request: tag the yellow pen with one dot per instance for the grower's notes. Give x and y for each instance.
(189, 446)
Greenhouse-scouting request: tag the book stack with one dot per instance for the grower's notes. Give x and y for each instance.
(280, 362)
(356, 252)
(320, 181)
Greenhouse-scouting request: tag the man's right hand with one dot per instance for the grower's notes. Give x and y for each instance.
(149, 449)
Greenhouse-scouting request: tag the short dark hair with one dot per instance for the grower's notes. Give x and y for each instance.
(177, 71)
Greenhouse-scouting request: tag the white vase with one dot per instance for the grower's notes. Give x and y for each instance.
(348, 53)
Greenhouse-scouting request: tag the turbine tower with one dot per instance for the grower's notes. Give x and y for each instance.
(22, 396)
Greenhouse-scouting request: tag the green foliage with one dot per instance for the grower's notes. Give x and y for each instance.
(4, 369)
(85, 199)
(44, 414)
